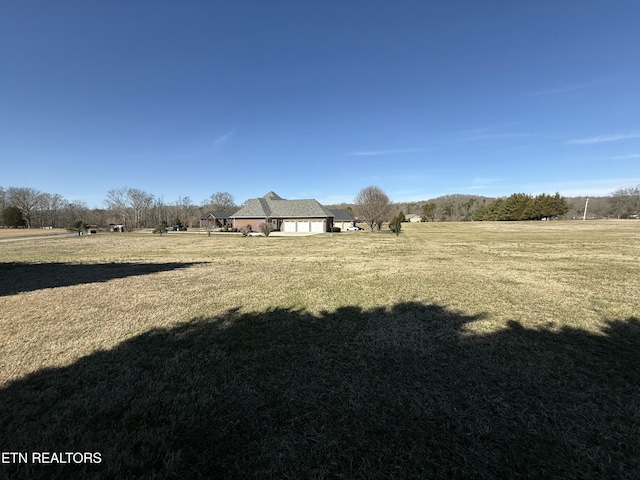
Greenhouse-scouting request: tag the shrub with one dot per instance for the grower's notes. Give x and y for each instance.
(78, 226)
(266, 228)
(245, 231)
(396, 224)
(335, 229)
(161, 229)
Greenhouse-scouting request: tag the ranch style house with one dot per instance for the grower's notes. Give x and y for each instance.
(301, 216)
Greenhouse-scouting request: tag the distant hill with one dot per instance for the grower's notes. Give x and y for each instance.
(458, 206)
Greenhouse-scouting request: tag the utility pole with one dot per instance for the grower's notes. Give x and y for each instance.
(584, 217)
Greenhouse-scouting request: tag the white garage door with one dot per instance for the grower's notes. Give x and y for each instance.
(317, 226)
(303, 226)
(289, 226)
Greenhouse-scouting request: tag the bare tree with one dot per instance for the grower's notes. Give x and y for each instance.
(134, 206)
(159, 212)
(182, 209)
(97, 217)
(372, 206)
(74, 211)
(220, 201)
(627, 201)
(118, 202)
(141, 203)
(27, 200)
(635, 194)
(51, 204)
(3, 204)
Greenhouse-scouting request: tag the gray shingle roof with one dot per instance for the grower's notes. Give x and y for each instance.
(272, 196)
(341, 215)
(271, 206)
(217, 214)
(253, 208)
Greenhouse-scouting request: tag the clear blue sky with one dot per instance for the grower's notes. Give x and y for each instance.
(317, 99)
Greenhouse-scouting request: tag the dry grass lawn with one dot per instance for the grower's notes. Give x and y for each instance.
(29, 232)
(456, 350)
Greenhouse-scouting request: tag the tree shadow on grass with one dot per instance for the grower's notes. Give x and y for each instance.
(405, 392)
(17, 277)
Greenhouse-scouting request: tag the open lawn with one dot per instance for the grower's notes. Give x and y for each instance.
(6, 233)
(456, 350)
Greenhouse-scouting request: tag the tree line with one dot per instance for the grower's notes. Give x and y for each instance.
(135, 208)
(130, 207)
(520, 206)
(623, 203)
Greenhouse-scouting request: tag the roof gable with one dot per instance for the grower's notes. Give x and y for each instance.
(253, 208)
(273, 206)
(272, 196)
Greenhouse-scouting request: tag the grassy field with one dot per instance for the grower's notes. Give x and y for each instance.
(456, 350)
(6, 233)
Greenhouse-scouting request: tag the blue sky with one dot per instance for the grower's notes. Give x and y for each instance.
(318, 99)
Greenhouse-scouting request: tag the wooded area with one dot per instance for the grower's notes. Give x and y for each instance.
(134, 208)
(130, 207)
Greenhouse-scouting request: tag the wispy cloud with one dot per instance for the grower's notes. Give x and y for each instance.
(579, 188)
(624, 157)
(374, 153)
(604, 138)
(559, 90)
(223, 138)
(336, 199)
(494, 136)
(486, 181)
(481, 183)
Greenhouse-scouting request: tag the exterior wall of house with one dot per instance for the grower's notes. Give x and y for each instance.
(243, 222)
(327, 223)
(342, 224)
(306, 224)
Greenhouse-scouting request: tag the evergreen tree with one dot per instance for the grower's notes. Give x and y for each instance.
(161, 229)
(429, 212)
(12, 217)
(396, 224)
(515, 207)
(77, 226)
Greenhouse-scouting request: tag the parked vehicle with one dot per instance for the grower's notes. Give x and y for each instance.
(354, 227)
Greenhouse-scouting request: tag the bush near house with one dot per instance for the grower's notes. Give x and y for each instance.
(266, 228)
